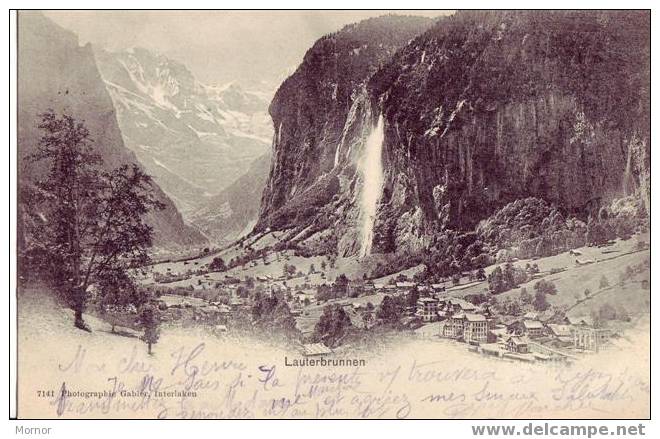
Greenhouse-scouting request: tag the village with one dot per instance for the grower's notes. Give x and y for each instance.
(463, 310)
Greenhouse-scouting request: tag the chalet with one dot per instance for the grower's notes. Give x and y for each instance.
(427, 309)
(560, 332)
(579, 321)
(517, 345)
(531, 315)
(454, 305)
(533, 328)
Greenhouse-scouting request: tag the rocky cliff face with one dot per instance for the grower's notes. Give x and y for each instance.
(479, 110)
(193, 138)
(56, 72)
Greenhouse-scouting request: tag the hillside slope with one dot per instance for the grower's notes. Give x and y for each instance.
(55, 72)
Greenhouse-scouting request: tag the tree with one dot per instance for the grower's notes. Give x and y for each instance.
(323, 265)
(481, 274)
(412, 297)
(333, 326)
(496, 282)
(119, 297)
(390, 310)
(149, 319)
(217, 264)
(312, 269)
(546, 286)
(607, 312)
(525, 297)
(540, 301)
(341, 284)
(95, 224)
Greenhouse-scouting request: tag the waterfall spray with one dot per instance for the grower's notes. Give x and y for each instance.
(371, 170)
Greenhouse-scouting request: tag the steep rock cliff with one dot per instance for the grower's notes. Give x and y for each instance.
(481, 109)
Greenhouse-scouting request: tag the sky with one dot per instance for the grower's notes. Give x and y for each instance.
(217, 46)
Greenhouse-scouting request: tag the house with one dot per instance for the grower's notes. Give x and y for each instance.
(560, 332)
(427, 309)
(590, 339)
(579, 321)
(531, 315)
(517, 345)
(476, 328)
(454, 305)
(305, 296)
(533, 328)
(470, 327)
(454, 326)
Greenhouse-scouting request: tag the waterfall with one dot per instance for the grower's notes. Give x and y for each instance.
(371, 171)
(337, 154)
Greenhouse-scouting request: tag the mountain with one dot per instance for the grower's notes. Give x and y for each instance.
(233, 212)
(392, 130)
(193, 138)
(55, 72)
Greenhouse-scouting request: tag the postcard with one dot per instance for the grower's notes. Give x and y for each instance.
(335, 214)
